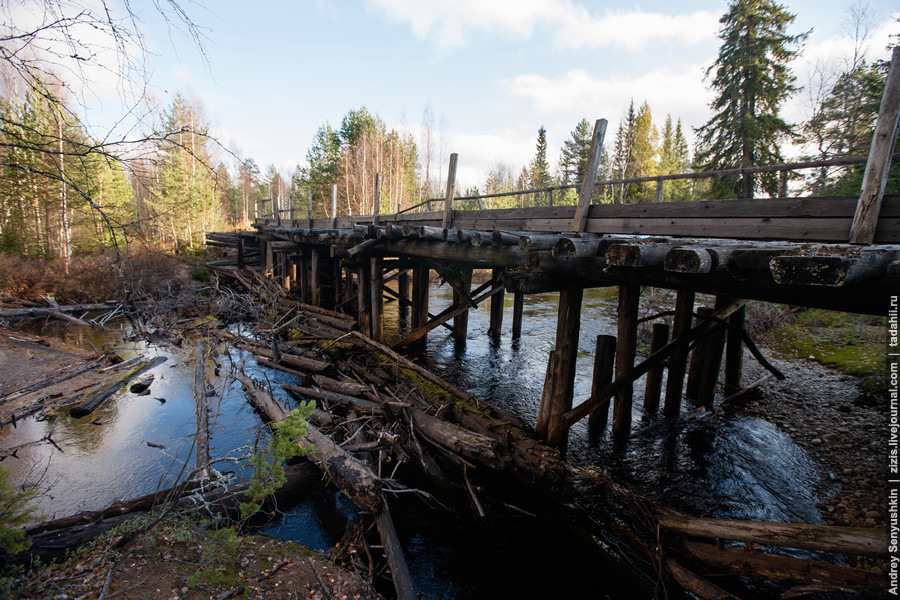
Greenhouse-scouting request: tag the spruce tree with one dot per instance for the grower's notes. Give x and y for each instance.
(540, 169)
(573, 161)
(751, 78)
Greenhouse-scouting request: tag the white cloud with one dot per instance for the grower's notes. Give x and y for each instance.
(634, 30)
(452, 23)
(681, 93)
(478, 152)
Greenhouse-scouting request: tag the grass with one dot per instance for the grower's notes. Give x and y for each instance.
(852, 344)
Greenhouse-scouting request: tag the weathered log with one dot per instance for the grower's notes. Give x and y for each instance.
(104, 394)
(636, 255)
(464, 442)
(37, 311)
(329, 317)
(774, 567)
(394, 553)
(338, 398)
(291, 360)
(52, 540)
(823, 538)
(696, 584)
(202, 443)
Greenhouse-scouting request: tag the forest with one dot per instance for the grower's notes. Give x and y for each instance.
(67, 192)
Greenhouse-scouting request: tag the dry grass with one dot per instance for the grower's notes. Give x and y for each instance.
(93, 278)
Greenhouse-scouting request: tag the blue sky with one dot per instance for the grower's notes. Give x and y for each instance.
(492, 71)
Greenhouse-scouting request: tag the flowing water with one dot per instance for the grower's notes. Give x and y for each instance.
(719, 465)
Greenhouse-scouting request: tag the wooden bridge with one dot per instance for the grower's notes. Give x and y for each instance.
(838, 253)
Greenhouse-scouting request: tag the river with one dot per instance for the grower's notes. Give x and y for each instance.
(719, 465)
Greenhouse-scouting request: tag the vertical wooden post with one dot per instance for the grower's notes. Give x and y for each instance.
(303, 271)
(734, 354)
(315, 296)
(334, 206)
(309, 214)
(286, 271)
(568, 326)
(270, 260)
(376, 283)
(403, 291)
(590, 176)
(337, 281)
(782, 183)
(518, 309)
(242, 262)
(865, 221)
(626, 349)
(461, 321)
(276, 208)
(706, 391)
(448, 197)
(699, 356)
(653, 387)
(420, 281)
(376, 203)
(294, 278)
(684, 310)
(496, 308)
(364, 304)
(293, 209)
(549, 197)
(604, 361)
(659, 190)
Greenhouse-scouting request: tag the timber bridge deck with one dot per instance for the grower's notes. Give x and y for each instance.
(838, 253)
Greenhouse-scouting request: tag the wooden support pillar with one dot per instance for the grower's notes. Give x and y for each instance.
(568, 327)
(604, 361)
(241, 260)
(461, 321)
(626, 350)
(653, 387)
(543, 418)
(334, 206)
(496, 309)
(518, 308)
(734, 354)
(420, 282)
(269, 261)
(295, 281)
(309, 210)
(364, 300)
(699, 356)
(403, 287)
(315, 296)
(337, 278)
(376, 282)
(303, 272)
(286, 271)
(706, 392)
(447, 220)
(684, 309)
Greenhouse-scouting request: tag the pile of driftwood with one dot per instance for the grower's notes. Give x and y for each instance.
(379, 406)
(380, 417)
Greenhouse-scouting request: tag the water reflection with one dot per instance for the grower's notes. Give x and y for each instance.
(726, 465)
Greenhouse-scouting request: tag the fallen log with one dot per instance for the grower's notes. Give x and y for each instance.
(104, 394)
(822, 538)
(783, 568)
(43, 311)
(53, 540)
(343, 399)
(471, 445)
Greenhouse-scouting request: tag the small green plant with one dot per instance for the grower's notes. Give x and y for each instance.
(268, 466)
(201, 273)
(14, 512)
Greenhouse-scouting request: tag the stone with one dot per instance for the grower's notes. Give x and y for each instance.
(816, 442)
(873, 514)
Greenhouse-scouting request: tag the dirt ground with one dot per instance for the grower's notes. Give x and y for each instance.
(181, 560)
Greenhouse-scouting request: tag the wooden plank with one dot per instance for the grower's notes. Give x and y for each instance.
(881, 151)
(590, 176)
(447, 220)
